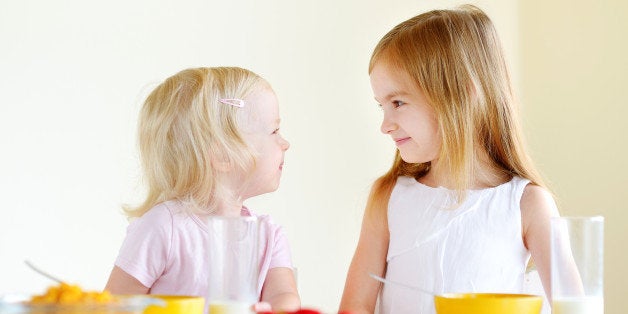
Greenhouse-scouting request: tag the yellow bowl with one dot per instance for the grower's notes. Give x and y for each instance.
(176, 304)
(487, 303)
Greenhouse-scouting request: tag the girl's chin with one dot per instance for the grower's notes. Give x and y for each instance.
(413, 158)
(269, 189)
(410, 159)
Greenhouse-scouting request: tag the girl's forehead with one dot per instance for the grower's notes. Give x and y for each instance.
(388, 80)
(261, 109)
(384, 69)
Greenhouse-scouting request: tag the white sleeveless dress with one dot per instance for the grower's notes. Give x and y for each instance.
(476, 247)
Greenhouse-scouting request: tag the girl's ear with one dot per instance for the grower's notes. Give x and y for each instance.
(221, 166)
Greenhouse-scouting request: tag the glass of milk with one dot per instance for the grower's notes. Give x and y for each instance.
(234, 259)
(577, 265)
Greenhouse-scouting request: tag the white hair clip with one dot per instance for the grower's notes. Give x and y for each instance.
(232, 101)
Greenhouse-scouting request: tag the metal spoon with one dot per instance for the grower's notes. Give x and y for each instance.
(380, 279)
(41, 272)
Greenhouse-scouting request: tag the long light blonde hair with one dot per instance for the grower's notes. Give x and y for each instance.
(455, 58)
(183, 129)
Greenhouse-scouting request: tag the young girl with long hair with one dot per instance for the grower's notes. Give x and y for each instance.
(462, 208)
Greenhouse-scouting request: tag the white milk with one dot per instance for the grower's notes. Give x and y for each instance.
(578, 305)
(230, 307)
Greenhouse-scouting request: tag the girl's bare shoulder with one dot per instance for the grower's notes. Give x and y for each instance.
(537, 205)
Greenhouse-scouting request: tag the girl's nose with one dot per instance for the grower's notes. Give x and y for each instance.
(285, 144)
(387, 125)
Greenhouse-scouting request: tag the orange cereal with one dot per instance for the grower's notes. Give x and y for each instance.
(71, 294)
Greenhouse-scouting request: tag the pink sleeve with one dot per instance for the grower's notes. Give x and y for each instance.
(281, 256)
(146, 248)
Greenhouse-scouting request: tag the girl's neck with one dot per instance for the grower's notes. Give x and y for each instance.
(486, 175)
(230, 204)
(231, 208)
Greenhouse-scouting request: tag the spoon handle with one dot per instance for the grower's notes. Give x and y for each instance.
(380, 279)
(41, 272)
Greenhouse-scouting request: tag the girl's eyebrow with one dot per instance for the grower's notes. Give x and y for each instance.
(393, 94)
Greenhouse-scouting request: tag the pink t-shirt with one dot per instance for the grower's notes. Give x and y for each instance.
(164, 250)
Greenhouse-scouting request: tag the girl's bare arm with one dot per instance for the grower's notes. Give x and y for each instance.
(122, 283)
(361, 291)
(537, 208)
(280, 290)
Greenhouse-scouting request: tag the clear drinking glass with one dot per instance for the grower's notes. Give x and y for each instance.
(577, 265)
(233, 249)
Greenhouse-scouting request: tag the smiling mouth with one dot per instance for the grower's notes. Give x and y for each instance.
(399, 141)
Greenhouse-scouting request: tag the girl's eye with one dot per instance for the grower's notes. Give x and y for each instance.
(398, 103)
(276, 131)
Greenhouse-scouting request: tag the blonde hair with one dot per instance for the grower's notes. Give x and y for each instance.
(183, 129)
(455, 58)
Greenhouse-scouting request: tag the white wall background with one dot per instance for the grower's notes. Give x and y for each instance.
(574, 83)
(73, 75)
